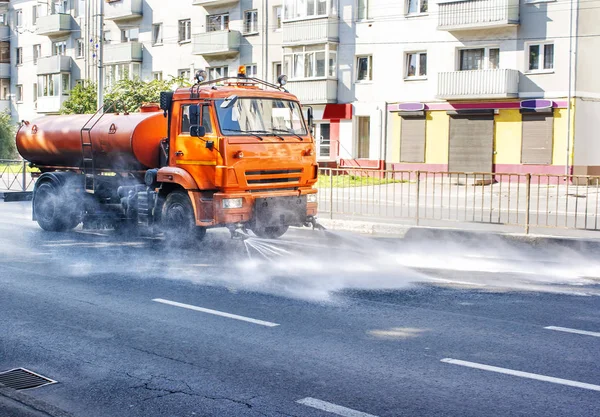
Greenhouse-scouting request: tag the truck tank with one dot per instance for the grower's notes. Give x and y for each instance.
(121, 142)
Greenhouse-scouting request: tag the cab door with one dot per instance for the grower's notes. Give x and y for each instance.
(197, 155)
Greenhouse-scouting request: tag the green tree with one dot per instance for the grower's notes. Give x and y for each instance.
(82, 99)
(131, 94)
(8, 149)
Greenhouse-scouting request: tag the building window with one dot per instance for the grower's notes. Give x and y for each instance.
(184, 73)
(362, 9)
(5, 52)
(158, 75)
(19, 17)
(363, 136)
(59, 48)
(479, 59)
(34, 14)
(48, 85)
(541, 57)
(66, 83)
(218, 72)
(277, 71)
(364, 68)
(297, 9)
(185, 30)
(323, 135)
(215, 22)
(35, 95)
(250, 21)
(157, 34)
(251, 71)
(107, 37)
(4, 19)
(5, 89)
(81, 7)
(117, 72)
(311, 61)
(416, 65)
(37, 52)
(130, 35)
(19, 56)
(59, 6)
(416, 6)
(19, 95)
(277, 11)
(80, 47)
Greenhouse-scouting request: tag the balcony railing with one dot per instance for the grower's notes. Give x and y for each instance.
(123, 52)
(474, 14)
(51, 104)
(324, 29)
(496, 83)
(212, 2)
(54, 64)
(314, 91)
(222, 42)
(54, 24)
(5, 70)
(123, 10)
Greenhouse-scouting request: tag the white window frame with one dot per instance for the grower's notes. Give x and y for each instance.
(278, 17)
(330, 51)
(420, 11)
(275, 75)
(210, 27)
(19, 18)
(35, 12)
(251, 70)
(369, 68)
(184, 27)
(79, 48)
(157, 75)
(367, 13)
(19, 56)
(212, 72)
(486, 57)
(157, 37)
(541, 58)
(126, 34)
(59, 48)
(117, 72)
(417, 68)
(184, 73)
(37, 52)
(251, 27)
(19, 93)
(4, 88)
(305, 9)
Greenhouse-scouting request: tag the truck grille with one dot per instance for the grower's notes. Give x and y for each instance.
(273, 176)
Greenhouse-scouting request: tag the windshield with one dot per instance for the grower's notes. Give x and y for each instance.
(260, 115)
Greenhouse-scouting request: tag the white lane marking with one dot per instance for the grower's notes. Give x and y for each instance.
(216, 312)
(332, 408)
(523, 374)
(567, 330)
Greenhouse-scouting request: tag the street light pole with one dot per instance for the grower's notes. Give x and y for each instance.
(100, 54)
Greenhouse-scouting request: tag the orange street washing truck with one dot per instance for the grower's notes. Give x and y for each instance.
(233, 152)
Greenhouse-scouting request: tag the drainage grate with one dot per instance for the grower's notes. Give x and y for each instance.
(21, 378)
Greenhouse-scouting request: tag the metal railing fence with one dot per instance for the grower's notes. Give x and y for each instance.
(15, 175)
(524, 200)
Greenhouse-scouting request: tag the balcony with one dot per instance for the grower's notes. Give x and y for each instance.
(314, 91)
(123, 10)
(222, 42)
(5, 70)
(497, 83)
(4, 32)
(123, 52)
(477, 14)
(4, 106)
(212, 3)
(54, 64)
(51, 104)
(307, 31)
(54, 24)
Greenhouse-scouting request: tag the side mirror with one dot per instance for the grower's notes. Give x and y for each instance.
(309, 118)
(166, 97)
(197, 131)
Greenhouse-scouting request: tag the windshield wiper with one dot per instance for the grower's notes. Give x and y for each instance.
(291, 132)
(250, 132)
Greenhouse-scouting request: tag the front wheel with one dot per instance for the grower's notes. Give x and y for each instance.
(270, 232)
(178, 221)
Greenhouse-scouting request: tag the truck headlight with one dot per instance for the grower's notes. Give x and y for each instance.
(311, 198)
(232, 203)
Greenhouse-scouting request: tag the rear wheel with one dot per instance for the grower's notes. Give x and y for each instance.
(178, 221)
(54, 210)
(270, 232)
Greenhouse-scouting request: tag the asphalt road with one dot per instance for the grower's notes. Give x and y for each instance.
(313, 326)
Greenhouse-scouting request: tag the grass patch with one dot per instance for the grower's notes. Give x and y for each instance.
(344, 181)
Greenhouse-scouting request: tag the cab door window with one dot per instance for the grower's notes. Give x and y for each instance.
(206, 118)
(189, 116)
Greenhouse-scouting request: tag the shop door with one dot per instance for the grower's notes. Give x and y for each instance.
(471, 144)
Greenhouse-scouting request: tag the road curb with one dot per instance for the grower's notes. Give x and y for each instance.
(35, 405)
(9, 196)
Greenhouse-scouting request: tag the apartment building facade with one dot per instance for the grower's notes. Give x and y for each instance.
(471, 85)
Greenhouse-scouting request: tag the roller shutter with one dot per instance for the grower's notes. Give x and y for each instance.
(471, 143)
(536, 147)
(412, 139)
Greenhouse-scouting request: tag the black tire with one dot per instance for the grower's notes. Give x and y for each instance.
(270, 232)
(177, 219)
(52, 212)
